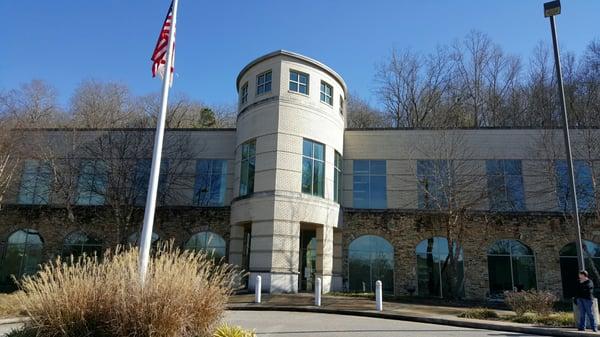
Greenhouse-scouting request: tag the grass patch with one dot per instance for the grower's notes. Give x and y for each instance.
(479, 313)
(349, 294)
(10, 305)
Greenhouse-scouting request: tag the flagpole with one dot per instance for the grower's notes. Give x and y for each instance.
(146, 237)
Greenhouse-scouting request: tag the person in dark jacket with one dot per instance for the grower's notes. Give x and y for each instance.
(585, 300)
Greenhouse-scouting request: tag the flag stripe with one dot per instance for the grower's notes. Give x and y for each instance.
(159, 56)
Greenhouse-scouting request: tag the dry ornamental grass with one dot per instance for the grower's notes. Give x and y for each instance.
(184, 295)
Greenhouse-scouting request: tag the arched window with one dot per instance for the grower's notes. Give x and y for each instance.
(211, 242)
(23, 255)
(511, 266)
(78, 244)
(370, 258)
(135, 238)
(569, 268)
(436, 274)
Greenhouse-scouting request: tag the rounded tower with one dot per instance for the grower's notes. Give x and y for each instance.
(287, 175)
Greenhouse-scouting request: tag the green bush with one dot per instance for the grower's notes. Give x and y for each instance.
(528, 318)
(479, 313)
(559, 319)
(233, 331)
(184, 295)
(535, 301)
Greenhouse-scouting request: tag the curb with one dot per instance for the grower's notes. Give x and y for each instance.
(14, 320)
(475, 324)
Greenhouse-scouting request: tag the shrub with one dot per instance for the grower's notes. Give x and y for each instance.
(479, 313)
(559, 319)
(185, 294)
(536, 301)
(10, 306)
(528, 317)
(233, 331)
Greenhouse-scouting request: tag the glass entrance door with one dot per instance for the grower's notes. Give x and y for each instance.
(308, 259)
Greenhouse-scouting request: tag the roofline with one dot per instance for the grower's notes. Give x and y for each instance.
(296, 56)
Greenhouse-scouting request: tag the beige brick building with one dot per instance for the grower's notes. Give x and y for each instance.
(292, 195)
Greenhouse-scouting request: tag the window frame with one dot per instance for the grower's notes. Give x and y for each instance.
(563, 186)
(35, 195)
(210, 174)
(369, 176)
(342, 105)
(508, 193)
(338, 176)
(324, 97)
(247, 159)
(244, 93)
(314, 190)
(298, 83)
(100, 173)
(264, 84)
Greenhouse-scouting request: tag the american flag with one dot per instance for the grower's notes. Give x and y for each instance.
(159, 57)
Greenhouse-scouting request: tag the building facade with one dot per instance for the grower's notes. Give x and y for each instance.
(293, 195)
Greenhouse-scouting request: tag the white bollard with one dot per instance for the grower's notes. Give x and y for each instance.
(378, 296)
(318, 292)
(257, 289)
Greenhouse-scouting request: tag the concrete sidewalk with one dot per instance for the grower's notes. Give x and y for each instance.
(357, 306)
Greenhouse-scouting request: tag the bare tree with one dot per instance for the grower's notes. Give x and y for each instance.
(32, 105)
(361, 115)
(451, 183)
(412, 87)
(182, 112)
(102, 105)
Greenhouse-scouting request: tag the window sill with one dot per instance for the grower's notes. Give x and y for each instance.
(298, 93)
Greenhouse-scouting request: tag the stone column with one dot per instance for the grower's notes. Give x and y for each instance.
(337, 279)
(274, 255)
(236, 244)
(325, 256)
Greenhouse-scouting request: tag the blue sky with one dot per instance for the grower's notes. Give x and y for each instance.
(65, 42)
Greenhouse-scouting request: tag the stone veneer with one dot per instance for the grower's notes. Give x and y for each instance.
(177, 223)
(545, 234)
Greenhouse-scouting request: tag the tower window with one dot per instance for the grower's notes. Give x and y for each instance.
(299, 82)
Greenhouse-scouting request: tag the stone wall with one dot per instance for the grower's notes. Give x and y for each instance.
(545, 234)
(54, 225)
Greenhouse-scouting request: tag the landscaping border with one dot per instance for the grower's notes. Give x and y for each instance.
(464, 323)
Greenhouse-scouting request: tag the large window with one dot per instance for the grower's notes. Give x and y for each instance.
(78, 243)
(583, 183)
(437, 276)
(212, 243)
(209, 189)
(369, 186)
(569, 268)
(248, 165)
(23, 255)
(511, 266)
(134, 239)
(505, 185)
(313, 168)
(244, 93)
(142, 178)
(263, 82)
(35, 183)
(93, 181)
(326, 93)
(298, 82)
(370, 258)
(433, 179)
(337, 178)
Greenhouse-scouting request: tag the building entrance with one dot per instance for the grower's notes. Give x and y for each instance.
(308, 260)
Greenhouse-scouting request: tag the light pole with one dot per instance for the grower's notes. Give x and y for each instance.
(551, 9)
